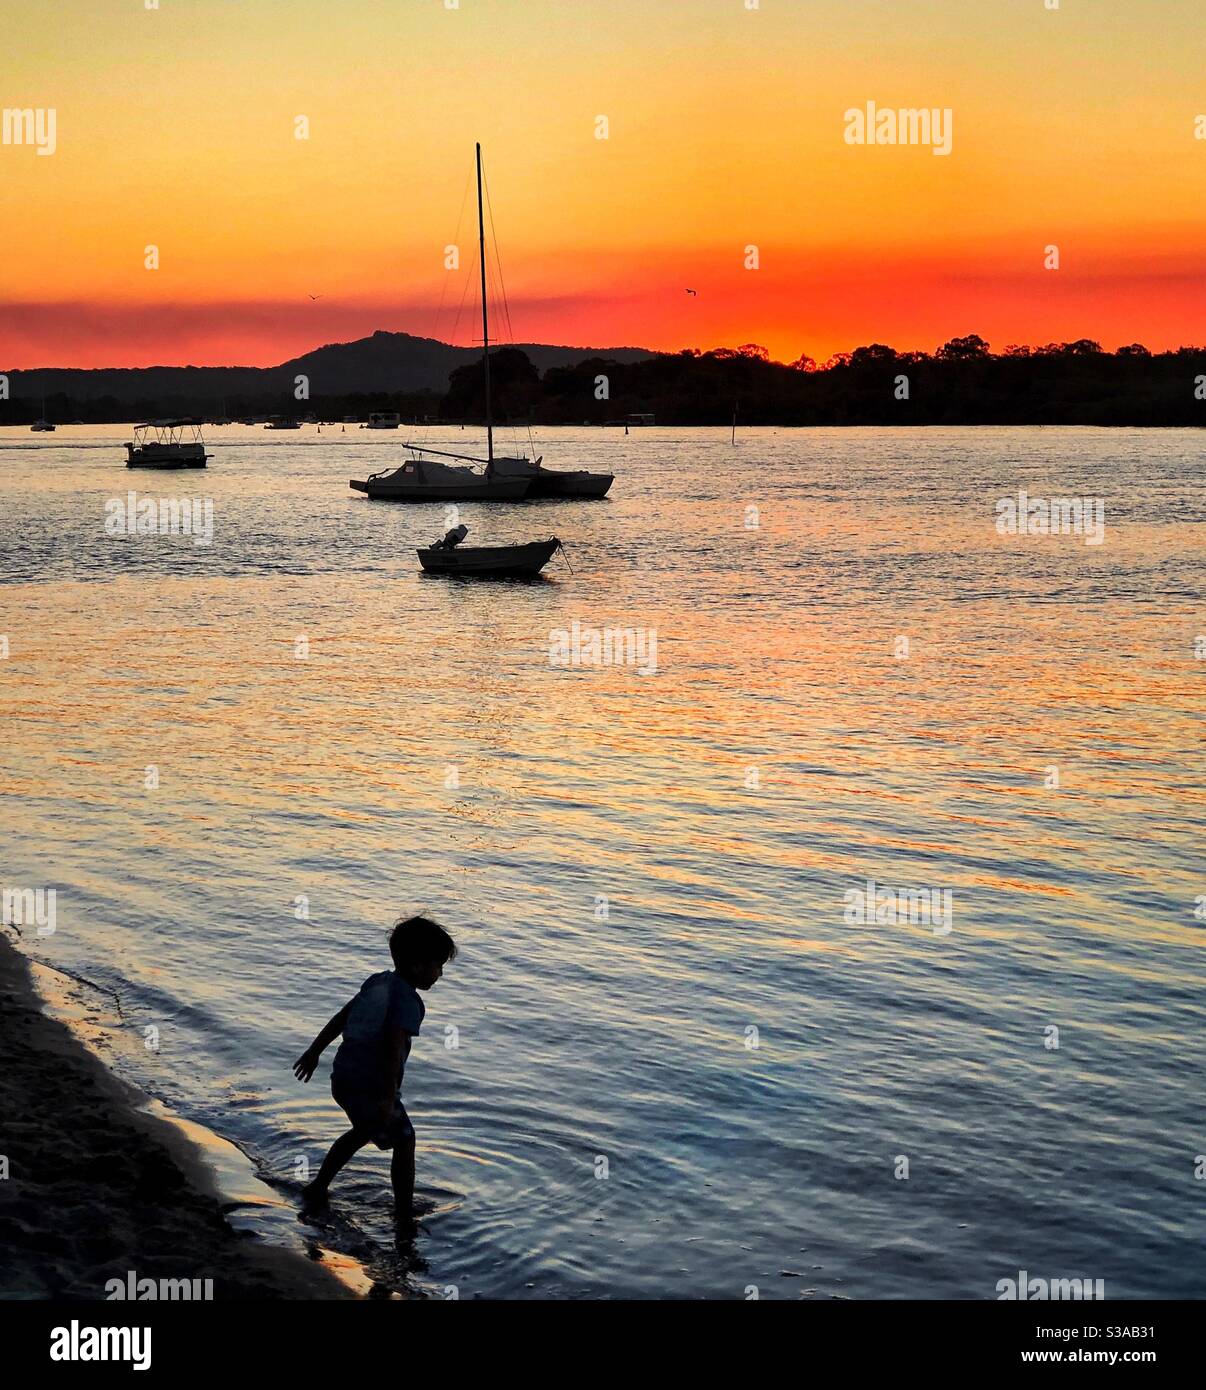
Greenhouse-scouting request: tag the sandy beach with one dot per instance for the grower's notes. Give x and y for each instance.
(95, 1189)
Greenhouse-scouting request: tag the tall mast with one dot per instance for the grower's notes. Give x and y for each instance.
(481, 237)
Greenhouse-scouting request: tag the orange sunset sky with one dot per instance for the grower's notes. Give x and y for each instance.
(175, 127)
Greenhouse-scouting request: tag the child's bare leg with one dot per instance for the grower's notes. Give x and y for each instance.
(402, 1175)
(340, 1152)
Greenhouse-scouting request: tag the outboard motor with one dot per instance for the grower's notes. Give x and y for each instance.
(452, 538)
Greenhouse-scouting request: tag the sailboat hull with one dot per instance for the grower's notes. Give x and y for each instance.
(484, 490)
(549, 482)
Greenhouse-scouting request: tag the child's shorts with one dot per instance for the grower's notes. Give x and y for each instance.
(363, 1108)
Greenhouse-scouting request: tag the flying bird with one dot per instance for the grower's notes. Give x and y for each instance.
(693, 292)
(316, 296)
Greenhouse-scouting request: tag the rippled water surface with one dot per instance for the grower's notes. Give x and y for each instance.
(665, 1063)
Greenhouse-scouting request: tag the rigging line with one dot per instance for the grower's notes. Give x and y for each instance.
(439, 313)
(503, 289)
(456, 328)
(499, 301)
(498, 334)
(470, 279)
(496, 339)
(456, 241)
(498, 260)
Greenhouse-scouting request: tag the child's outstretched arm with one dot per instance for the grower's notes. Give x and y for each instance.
(303, 1068)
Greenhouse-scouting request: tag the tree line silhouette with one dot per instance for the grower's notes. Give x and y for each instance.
(962, 383)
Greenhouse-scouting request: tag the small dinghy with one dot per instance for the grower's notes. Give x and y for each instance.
(449, 556)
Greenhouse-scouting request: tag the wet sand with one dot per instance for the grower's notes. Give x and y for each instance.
(95, 1188)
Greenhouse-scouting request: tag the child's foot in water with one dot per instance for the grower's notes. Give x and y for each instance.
(314, 1196)
(406, 1222)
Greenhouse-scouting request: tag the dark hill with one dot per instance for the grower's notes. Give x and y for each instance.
(385, 364)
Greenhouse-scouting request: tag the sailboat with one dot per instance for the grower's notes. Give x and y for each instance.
(42, 425)
(558, 482)
(542, 481)
(424, 477)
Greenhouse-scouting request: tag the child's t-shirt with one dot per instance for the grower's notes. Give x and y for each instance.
(383, 999)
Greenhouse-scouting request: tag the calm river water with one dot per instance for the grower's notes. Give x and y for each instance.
(670, 1060)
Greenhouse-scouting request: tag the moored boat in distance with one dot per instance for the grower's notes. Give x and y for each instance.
(42, 425)
(383, 420)
(279, 424)
(523, 561)
(167, 444)
(424, 479)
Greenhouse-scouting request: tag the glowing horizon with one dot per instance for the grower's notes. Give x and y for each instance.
(176, 128)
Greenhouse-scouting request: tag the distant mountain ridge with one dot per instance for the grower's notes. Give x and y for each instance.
(962, 383)
(384, 362)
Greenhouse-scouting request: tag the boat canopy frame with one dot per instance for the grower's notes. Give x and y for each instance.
(168, 432)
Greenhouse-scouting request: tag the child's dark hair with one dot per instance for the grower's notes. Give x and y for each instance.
(416, 939)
